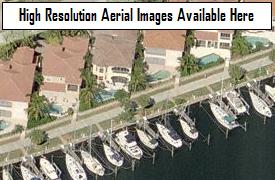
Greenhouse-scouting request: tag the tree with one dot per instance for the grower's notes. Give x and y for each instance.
(122, 96)
(239, 45)
(189, 40)
(7, 50)
(18, 128)
(272, 55)
(188, 65)
(38, 78)
(138, 78)
(144, 102)
(88, 59)
(38, 107)
(38, 137)
(126, 116)
(237, 73)
(52, 36)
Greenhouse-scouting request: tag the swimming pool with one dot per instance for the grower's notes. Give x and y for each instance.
(253, 40)
(210, 58)
(160, 75)
(55, 109)
(3, 124)
(104, 95)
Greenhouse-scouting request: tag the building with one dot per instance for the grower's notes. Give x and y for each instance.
(16, 81)
(113, 57)
(163, 48)
(213, 42)
(61, 71)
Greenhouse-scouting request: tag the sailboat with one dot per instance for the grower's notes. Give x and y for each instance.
(225, 119)
(92, 163)
(6, 175)
(75, 170)
(270, 91)
(27, 174)
(235, 101)
(260, 105)
(189, 129)
(48, 169)
(169, 135)
(128, 144)
(146, 139)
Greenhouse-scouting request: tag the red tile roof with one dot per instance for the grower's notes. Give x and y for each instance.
(206, 35)
(53, 87)
(17, 76)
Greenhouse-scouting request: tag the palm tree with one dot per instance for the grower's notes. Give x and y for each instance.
(88, 59)
(138, 78)
(240, 46)
(38, 137)
(38, 78)
(189, 40)
(237, 73)
(188, 65)
(38, 107)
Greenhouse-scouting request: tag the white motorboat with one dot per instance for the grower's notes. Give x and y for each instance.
(48, 169)
(270, 91)
(128, 144)
(6, 175)
(260, 105)
(235, 101)
(225, 119)
(189, 129)
(92, 163)
(112, 155)
(75, 170)
(146, 139)
(169, 135)
(27, 174)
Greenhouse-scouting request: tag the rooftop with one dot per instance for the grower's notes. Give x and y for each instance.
(164, 39)
(66, 59)
(114, 48)
(17, 76)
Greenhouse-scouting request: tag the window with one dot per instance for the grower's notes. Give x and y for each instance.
(101, 70)
(216, 45)
(201, 43)
(120, 70)
(209, 44)
(71, 87)
(100, 78)
(224, 45)
(5, 113)
(5, 104)
(225, 36)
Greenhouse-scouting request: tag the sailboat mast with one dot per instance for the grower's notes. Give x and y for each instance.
(111, 132)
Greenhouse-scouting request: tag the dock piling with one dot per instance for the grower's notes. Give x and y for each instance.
(208, 139)
(133, 164)
(172, 152)
(154, 157)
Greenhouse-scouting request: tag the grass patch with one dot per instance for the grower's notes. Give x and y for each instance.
(217, 86)
(188, 96)
(41, 148)
(11, 155)
(32, 123)
(257, 73)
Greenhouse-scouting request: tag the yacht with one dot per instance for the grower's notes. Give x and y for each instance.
(260, 105)
(75, 170)
(112, 155)
(169, 135)
(146, 139)
(27, 174)
(128, 144)
(189, 129)
(225, 119)
(92, 163)
(235, 101)
(6, 175)
(48, 169)
(270, 91)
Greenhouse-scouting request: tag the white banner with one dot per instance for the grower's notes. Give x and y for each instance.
(38, 16)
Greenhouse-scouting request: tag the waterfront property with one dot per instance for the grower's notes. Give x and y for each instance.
(213, 42)
(17, 77)
(113, 58)
(61, 71)
(163, 48)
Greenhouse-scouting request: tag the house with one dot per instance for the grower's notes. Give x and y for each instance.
(213, 42)
(61, 71)
(113, 57)
(163, 48)
(17, 77)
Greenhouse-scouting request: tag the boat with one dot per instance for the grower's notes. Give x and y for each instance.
(270, 91)
(48, 169)
(128, 144)
(225, 119)
(92, 163)
(6, 175)
(75, 170)
(169, 135)
(112, 155)
(260, 105)
(27, 174)
(189, 129)
(146, 139)
(235, 101)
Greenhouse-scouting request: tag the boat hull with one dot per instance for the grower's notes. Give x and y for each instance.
(164, 134)
(187, 130)
(260, 105)
(109, 152)
(270, 91)
(48, 169)
(27, 174)
(146, 139)
(92, 163)
(6, 175)
(75, 170)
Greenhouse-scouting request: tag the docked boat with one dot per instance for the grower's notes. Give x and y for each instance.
(27, 174)
(260, 105)
(6, 175)
(169, 135)
(75, 170)
(92, 163)
(189, 129)
(128, 144)
(235, 101)
(48, 169)
(112, 155)
(270, 91)
(225, 119)
(146, 139)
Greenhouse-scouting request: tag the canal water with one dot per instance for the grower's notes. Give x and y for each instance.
(243, 156)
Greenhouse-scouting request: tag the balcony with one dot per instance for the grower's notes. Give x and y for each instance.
(120, 70)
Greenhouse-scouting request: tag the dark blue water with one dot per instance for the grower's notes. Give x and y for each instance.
(243, 156)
